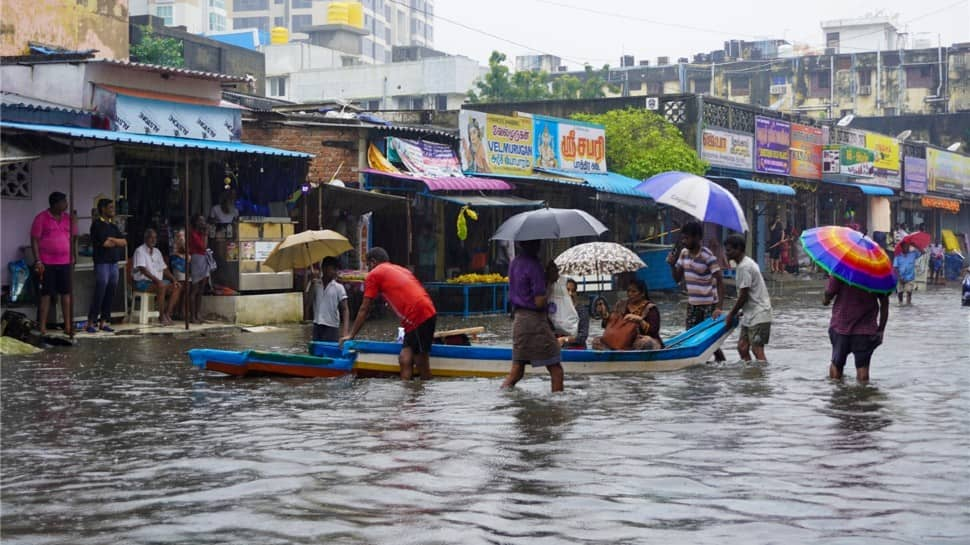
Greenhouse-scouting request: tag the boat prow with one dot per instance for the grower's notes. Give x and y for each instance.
(692, 347)
(253, 362)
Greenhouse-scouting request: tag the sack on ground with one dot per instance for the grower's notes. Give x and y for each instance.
(619, 333)
(562, 312)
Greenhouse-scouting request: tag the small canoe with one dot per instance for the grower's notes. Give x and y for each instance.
(692, 347)
(253, 362)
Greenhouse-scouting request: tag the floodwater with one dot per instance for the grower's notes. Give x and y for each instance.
(122, 441)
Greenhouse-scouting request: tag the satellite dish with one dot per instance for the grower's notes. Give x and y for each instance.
(955, 146)
(844, 122)
(904, 135)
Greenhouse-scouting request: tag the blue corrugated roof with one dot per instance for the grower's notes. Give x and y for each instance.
(610, 182)
(875, 190)
(767, 188)
(153, 140)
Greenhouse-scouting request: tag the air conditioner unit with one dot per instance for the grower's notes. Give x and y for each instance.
(653, 103)
(865, 90)
(778, 89)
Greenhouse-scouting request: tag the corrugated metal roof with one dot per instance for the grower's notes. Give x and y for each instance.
(410, 128)
(20, 101)
(198, 74)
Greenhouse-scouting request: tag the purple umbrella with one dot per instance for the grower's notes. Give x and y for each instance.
(697, 196)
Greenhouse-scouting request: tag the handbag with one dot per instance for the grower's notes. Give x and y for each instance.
(619, 333)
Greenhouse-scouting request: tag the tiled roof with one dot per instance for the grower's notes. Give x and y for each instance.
(178, 71)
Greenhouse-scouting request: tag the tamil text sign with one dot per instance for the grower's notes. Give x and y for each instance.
(772, 140)
(495, 143)
(423, 158)
(806, 152)
(568, 145)
(727, 149)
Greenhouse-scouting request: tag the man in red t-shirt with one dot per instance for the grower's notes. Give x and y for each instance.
(405, 294)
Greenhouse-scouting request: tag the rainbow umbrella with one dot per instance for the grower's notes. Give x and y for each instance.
(851, 257)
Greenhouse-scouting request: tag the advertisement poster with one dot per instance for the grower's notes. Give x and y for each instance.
(495, 143)
(423, 158)
(806, 151)
(914, 175)
(728, 149)
(569, 145)
(886, 150)
(947, 172)
(772, 140)
(848, 160)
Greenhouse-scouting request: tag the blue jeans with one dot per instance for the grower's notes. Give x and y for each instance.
(105, 283)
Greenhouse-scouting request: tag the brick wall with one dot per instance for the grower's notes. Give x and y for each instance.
(331, 146)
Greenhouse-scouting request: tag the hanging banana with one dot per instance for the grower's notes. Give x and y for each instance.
(462, 224)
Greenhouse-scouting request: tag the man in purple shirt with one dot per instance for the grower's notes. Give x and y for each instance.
(854, 327)
(533, 340)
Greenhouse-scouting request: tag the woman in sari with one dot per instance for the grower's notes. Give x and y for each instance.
(637, 308)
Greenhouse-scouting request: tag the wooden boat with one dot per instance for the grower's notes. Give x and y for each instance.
(692, 347)
(253, 362)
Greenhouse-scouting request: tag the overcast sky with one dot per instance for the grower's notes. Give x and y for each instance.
(600, 31)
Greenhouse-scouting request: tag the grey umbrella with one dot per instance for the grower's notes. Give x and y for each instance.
(547, 223)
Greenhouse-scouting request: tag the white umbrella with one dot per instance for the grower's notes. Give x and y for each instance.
(697, 196)
(595, 258)
(549, 223)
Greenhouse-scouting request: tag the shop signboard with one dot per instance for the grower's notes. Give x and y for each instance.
(848, 160)
(772, 141)
(947, 172)
(886, 149)
(727, 149)
(914, 174)
(158, 117)
(568, 145)
(423, 158)
(495, 143)
(806, 151)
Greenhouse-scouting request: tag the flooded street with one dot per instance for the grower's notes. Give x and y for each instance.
(122, 441)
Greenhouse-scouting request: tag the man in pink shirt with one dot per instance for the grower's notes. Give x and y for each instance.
(51, 237)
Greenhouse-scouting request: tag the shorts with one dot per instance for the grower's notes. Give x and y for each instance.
(757, 334)
(57, 280)
(775, 253)
(147, 285)
(906, 287)
(325, 333)
(860, 346)
(420, 338)
(698, 313)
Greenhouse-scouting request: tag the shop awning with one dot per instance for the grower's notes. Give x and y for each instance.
(609, 182)
(508, 201)
(358, 201)
(873, 190)
(753, 185)
(447, 183)
(151, 140)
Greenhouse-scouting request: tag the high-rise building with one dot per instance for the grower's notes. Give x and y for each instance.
(197, 16)
(387, 23)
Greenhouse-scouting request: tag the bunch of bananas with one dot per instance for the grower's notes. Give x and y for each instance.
(475, 278)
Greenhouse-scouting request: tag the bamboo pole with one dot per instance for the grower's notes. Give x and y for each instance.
(188, 236)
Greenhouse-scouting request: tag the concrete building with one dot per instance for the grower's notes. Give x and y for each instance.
(870, 33)
(541, 63)
(301, 72)
(386, 24)
(73, 25)
(197, 16)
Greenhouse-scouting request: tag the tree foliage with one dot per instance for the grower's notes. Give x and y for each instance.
(154, 49)
(641, 143)
(500, 84)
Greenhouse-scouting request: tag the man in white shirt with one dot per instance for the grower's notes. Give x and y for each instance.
(753, 300)
(225, 211)
(151, 274)
(330, 310)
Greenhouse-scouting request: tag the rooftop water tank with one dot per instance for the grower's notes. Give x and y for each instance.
(337, 13)
(355, 14)
(279, 35)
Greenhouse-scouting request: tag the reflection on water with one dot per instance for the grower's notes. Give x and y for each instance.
(124, 442)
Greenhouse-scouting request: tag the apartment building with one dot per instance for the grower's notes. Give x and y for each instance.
(197, 16)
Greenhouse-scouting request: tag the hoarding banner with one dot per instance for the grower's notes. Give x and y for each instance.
(806, 151)
(569, 145)
(772, 138)
(914, 174)
(886, 149)
(848, 160)
(727, 149)
(495, 143)
(158, 117)
(428, 159)
(947, 172)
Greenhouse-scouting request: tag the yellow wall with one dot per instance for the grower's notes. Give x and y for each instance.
(71, 24)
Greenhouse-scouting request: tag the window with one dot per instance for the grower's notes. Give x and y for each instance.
(217, 22)
(417, 103)
(373, 105)
(832, 39)
(277, 87)
(279, 21)
(702, 86)
(387, 36)
(250, 5)
(302, 4)
(821, 84)
(740, 86)
(301, 22)
(261, 23)
(217, 4)
(441, 103)
(865, 77)
(919, 77)
(15, 180)
(165, 12)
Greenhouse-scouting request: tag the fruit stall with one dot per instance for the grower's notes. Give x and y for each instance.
(470, 294)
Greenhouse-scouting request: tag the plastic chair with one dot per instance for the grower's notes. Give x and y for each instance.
(141, 301)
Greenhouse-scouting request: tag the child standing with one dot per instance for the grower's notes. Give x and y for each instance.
(330, 310)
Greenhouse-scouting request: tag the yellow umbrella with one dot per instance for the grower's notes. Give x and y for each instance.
(304, 249)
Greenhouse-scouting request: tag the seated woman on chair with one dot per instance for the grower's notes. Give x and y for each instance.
(636, 308)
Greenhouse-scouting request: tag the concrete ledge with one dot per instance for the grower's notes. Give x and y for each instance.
(257, 309)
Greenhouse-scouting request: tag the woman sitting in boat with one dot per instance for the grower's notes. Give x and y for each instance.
(637, 308)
